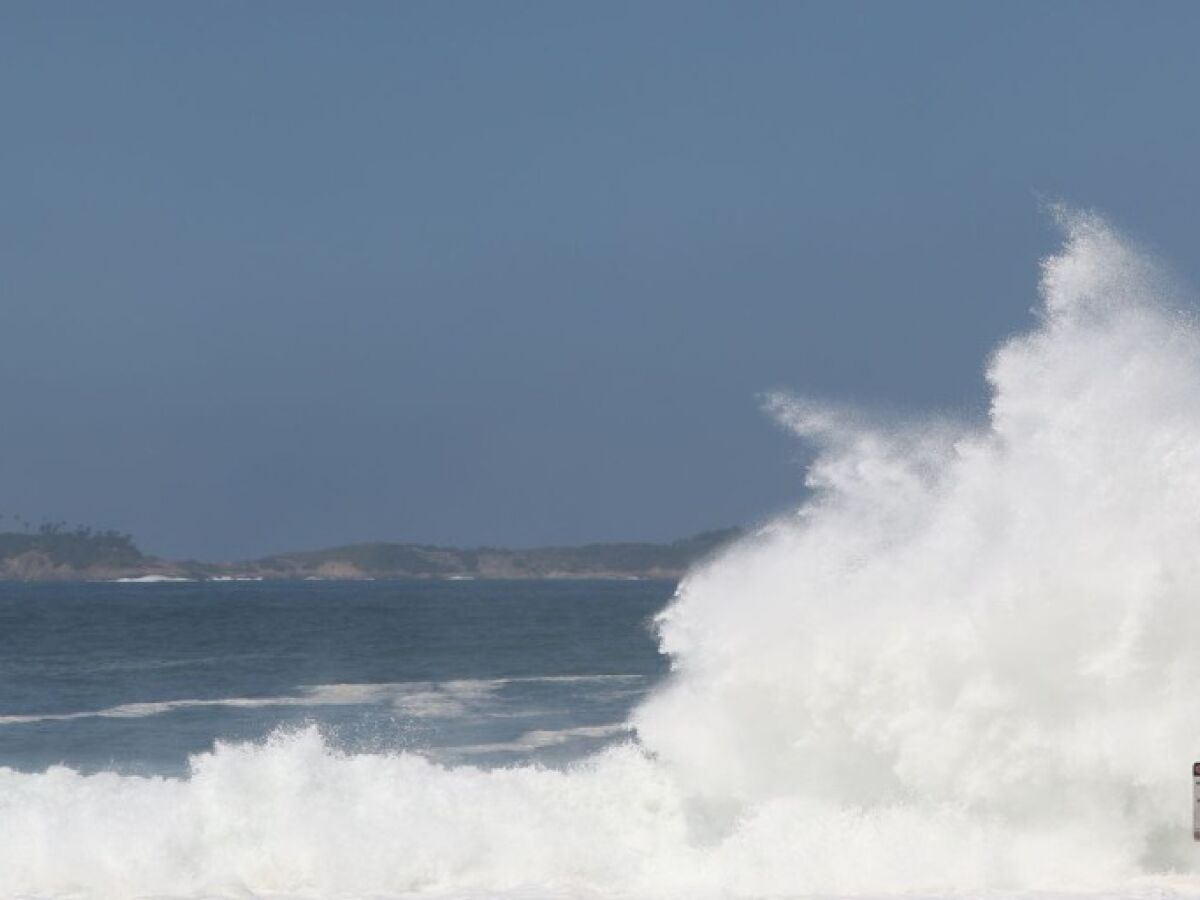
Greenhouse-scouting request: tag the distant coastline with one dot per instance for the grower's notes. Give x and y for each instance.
(55, 553)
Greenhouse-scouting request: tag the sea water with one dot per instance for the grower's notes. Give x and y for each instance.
(116, 698)
(138, 678)
(966, 666)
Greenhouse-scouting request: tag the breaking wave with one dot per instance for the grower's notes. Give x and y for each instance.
(967, 663)
(414, 699)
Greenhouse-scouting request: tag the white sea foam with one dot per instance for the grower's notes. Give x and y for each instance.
(539, 739)
(418, 699)
(152, 579)
(320, 695)
(966, 664)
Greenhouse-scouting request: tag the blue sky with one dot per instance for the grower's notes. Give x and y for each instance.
(283, 275)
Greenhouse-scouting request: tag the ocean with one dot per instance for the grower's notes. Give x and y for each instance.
(119, 703)
(137, 678)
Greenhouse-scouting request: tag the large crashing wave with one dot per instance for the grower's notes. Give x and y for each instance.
(969, 662)
(972, 659)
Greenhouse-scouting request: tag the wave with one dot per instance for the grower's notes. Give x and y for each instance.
(153, 579)
(965, 665)
(540, 739)
(293, 817)
(416, 699)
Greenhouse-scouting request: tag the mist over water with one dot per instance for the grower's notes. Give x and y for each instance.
(967, 663)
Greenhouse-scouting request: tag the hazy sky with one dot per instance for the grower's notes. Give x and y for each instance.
(282, 275)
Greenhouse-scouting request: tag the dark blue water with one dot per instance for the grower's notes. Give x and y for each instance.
(135, 677)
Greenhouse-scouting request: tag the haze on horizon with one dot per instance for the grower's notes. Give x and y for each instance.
(286, 275)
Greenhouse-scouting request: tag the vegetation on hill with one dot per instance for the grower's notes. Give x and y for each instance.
(55, 552)
(381, 560)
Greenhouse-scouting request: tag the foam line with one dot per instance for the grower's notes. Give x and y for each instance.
(421, 699)
(540, 739)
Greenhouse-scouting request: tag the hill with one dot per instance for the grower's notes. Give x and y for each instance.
(380, 560)
(54, 553)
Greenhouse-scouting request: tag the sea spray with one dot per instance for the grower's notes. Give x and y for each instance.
(294, 816)
(966, 663)
(976, 640)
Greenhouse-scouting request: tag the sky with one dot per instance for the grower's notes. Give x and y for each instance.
(283, 275)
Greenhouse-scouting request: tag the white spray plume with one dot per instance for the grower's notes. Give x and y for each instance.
(979, 639)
